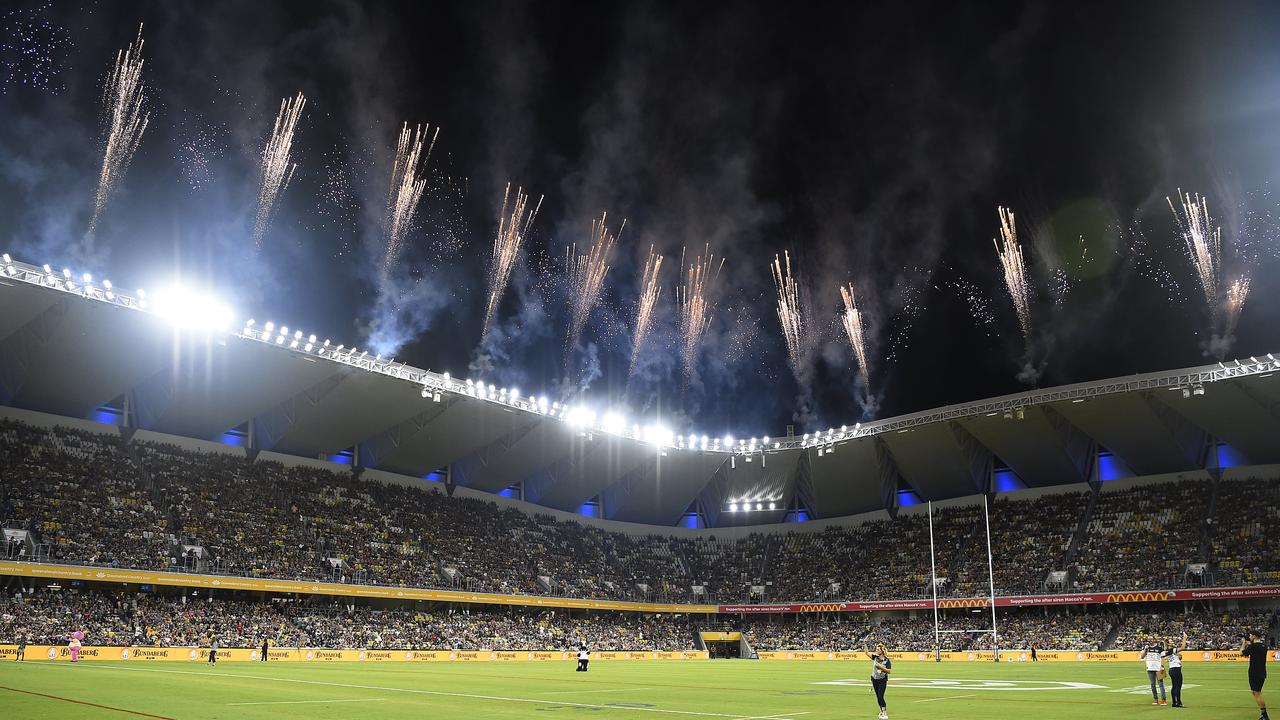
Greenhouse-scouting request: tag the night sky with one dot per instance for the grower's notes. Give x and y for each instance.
(872, 142)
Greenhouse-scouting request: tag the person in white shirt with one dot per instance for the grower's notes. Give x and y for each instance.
(1153, 656)
(584, 656)
(1174, 653)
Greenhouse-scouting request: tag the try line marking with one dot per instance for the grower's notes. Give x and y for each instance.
(415, 691)
(580, 692)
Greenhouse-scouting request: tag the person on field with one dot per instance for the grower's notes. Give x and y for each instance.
(1153, 656)
(881, 668)
(21, 653)
(1256, 650)
(74, 645)
(265, 644)
(584, 656)
(213, 650)
(1174, 653)
(1034, 658)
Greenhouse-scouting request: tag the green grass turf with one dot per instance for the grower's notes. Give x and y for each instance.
(619, 689)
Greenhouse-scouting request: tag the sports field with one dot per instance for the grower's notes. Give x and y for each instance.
(811, 690)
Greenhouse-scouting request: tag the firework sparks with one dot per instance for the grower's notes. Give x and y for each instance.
(852, 321)
(586, 276)
(1237, 292)
(649, 292)
(695, 304)
(513, 227)
(1203, 242)
(789, 309)
(1015, 269)
(408, 180)
(277, 171)
(125, 119)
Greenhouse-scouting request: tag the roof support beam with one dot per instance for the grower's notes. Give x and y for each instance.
(467, 467)
(889, 477)
(20, 353)
(978, 458)
(270, 427)
(375, 449)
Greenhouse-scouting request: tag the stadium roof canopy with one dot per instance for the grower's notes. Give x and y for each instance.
(69, 347)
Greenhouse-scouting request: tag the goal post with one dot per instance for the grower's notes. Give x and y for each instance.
(938, 632)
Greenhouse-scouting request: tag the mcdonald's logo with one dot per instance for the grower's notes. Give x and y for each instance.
(823, 607)
(1137, 597)
(964, 603)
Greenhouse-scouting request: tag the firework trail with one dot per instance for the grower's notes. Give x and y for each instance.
(789, 309)
(852, 321)
(512, 230)
(1203, 243)
(650, 290)
(695, 305)
(124, 120)
(1015, 269)
(586, 276)
(408, 180)
(1237, 292)
(277, 171)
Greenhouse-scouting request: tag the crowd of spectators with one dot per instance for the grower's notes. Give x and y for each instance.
(49, 616)
(1204, 630)
(92, 498)
(1244, 532)
(1142, 537)
(78, 495)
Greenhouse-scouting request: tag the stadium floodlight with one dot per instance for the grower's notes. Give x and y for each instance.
(191, 310)
(66, 273)
(142, 293)
(773, 506)
(612, 423)
(776, 445)
(425, 392)
(87, 278)
(704, 442)
(311, 338)
(106, 284)
(1186, 392)
(48, 270)
(1197, 390)
(307, 347)
(728, 441)
(294, 345)
(759, 506)
(279, 339)
(269, 326)
(340, 348)
(805, 438)
(7, 259)
(297, 335)
(733, 507)
(515, 394)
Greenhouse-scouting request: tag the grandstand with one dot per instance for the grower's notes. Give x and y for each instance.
(169, 491)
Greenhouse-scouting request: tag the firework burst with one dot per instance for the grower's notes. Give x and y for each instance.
(277, 171)
(513, 227)
(1237, 292)
(852, 321)
(408, 180)
(789, 315)
(1203, 242)
(1015, 269)
(124, 121)
(586, 275)
(695, 304)
(650, 290)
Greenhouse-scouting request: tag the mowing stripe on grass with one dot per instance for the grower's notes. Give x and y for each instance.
(415, 691)
(82, 702)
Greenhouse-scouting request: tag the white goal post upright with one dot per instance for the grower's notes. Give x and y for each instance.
(933, 571)
(991, 578)
(991, 588)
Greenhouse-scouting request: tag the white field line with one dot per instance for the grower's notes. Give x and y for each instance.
(783, 716)
(305, 702)
(415, 691)
(579, 692)
(949, 697)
